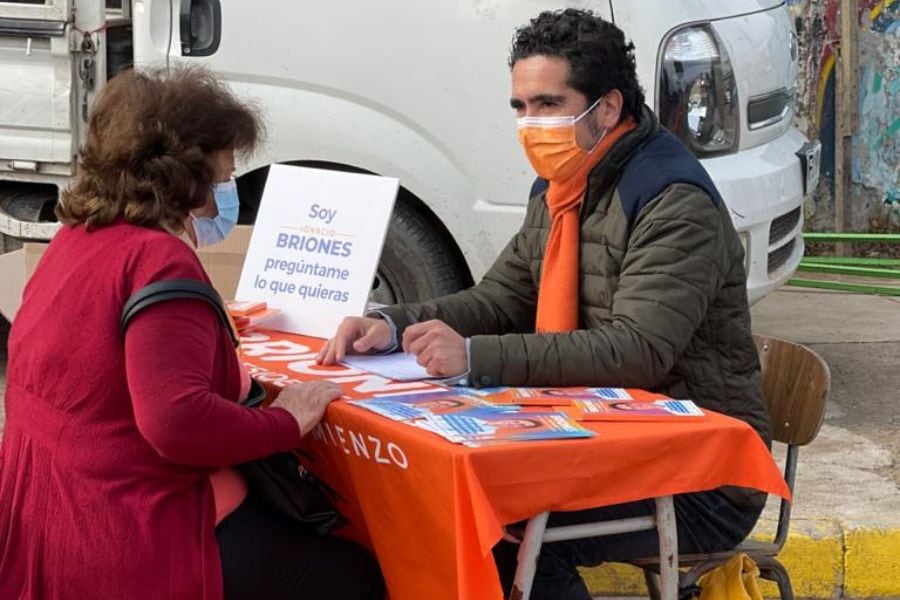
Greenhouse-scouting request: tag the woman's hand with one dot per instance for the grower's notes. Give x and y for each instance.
(307, 402)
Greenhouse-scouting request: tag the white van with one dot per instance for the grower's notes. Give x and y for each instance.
(414, 89)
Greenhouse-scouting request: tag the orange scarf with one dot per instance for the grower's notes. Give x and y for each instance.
(557, 307)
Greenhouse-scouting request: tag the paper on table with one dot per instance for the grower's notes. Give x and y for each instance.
(399, 366)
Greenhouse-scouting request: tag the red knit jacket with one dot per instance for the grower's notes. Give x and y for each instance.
(110, 439)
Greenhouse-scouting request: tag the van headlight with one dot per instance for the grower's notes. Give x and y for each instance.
(697, 97)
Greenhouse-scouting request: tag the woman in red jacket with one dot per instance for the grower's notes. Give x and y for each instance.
(111, 438)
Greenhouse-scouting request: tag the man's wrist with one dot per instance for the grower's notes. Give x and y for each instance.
(394, 343)
(462, 380)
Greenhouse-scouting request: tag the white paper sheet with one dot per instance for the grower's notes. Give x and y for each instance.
(399, 366)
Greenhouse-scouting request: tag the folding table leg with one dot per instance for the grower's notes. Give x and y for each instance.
(668, 548)
(529, 550)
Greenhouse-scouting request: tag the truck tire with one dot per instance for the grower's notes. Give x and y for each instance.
(417, 262)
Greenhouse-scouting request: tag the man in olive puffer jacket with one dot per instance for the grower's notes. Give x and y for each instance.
(626, 272)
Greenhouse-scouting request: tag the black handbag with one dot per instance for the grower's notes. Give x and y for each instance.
(278, 482)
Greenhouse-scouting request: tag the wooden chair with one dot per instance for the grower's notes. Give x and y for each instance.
(796, 382)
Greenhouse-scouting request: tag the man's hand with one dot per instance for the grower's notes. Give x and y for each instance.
(437, 347)
(358, 335)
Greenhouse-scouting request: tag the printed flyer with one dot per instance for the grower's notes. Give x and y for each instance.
(464, 417)
(630, 410)
(481, 427)
(564, 396)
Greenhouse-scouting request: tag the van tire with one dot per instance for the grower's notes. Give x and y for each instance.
(417, 262)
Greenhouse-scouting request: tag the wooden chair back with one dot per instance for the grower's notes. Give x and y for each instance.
(796, 382)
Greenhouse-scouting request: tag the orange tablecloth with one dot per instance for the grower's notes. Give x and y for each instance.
(432, 510)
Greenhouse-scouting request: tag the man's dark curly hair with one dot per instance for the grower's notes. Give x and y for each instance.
(600, 59)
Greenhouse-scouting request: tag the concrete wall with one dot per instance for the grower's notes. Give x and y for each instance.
(875, 196)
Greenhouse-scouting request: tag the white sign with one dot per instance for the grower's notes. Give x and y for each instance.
(315, 246)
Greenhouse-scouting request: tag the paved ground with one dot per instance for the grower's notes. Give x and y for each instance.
(859, 338)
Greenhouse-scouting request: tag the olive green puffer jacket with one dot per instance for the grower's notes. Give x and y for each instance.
(663, 302)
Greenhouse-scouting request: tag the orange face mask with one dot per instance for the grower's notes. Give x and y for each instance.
(551, 146)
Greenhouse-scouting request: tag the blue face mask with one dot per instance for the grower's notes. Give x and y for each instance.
(212, 230)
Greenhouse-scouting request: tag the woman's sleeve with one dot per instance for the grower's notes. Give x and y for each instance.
(170, 349)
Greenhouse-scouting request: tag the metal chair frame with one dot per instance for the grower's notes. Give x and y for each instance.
(537, 533)
(796, 401)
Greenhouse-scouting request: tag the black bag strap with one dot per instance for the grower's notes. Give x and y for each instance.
(174, 289)
(256, 396)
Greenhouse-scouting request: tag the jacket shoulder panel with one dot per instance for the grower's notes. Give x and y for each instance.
(539, 186)
(664, 161)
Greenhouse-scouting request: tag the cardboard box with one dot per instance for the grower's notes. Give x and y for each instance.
(223, 262)
(12, 282)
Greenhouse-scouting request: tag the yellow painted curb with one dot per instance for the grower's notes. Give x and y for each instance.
(615, 580)
(872, 563)
(813, 557)
(822, 559)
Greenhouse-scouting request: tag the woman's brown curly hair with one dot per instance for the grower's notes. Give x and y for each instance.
(148, 155)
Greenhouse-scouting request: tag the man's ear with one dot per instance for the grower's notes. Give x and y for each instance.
(609, 111)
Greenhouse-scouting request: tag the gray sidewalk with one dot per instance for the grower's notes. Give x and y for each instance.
(851, 470)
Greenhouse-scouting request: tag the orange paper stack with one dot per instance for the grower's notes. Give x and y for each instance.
(249, 315)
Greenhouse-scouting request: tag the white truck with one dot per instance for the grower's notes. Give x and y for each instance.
(418, 90)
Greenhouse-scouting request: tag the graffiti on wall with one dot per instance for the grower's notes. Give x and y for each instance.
(876, 145)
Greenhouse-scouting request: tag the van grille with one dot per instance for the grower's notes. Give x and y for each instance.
(778, 257)
(32, 27)
(769, 109)
(783, 226)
